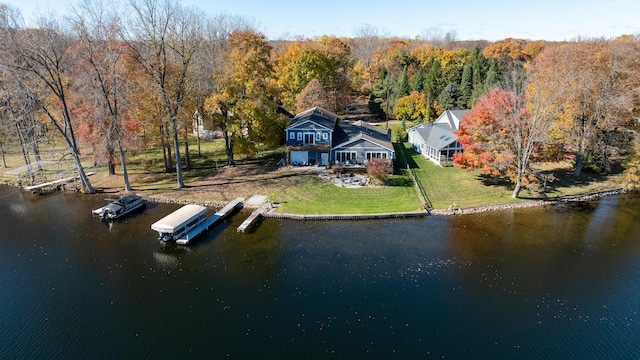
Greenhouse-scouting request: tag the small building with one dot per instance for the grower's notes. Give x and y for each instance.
(317, 137)
(438, 141)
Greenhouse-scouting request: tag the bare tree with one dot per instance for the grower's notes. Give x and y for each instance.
(97, 29)
(41, 58)
(165, 37)
(365, 43)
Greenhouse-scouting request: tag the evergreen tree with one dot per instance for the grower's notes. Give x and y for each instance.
(418, 81)
(403, 88)
(466, 86)
(432, 85)
(374, 107)
(449, 98)
(382, 93)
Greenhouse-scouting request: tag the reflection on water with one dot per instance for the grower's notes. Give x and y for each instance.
(557, 282)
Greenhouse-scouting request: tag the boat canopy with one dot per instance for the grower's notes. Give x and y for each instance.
(129, 199)
(168, 223)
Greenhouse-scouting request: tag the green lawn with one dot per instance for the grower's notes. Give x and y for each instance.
(315, 196)
(450, 186)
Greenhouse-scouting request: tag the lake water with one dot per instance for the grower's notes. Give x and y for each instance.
(550, 283)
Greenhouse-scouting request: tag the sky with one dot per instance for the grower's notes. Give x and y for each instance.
(490, 20)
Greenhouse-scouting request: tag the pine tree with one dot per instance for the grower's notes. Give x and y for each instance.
(403, 88)
(374, 107)
(418, 81)
(466, 87)
(449, 97)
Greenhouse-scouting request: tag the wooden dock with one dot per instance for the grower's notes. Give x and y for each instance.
(55, 182)
(249, 222)
(210, 222)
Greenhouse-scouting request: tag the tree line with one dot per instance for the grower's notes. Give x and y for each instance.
(115, 80)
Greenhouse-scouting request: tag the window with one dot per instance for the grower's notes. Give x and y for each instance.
(376, 155)
(292, 135)
(325, 136)
(317, 136)
(344, 156)
(309, 138)
(299, 136)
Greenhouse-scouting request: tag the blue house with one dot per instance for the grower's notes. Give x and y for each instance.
(317, 137)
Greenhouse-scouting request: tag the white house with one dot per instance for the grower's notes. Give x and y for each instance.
(437, 141)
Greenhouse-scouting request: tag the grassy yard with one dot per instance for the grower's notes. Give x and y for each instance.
(450, 186)
(315, 196)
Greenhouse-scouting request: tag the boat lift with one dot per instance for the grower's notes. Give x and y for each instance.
(210, 222)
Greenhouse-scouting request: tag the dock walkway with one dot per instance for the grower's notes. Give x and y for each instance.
(210, 222)
(258, 202)
(55, 182)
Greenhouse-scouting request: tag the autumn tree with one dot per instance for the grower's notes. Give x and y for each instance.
(632, 167)
(326, 59)
(243, 102)
(312, 95)
(602, 80)
(164, 36)
(503, 129)
(102, 51)
(412, 107)
(365, 43)
(41, 59)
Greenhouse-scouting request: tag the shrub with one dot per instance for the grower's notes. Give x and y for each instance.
(379, 170)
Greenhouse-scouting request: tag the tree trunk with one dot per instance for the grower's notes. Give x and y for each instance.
(516, 191)
(228, 144)
(111, 164)
(164, 149)
(169, 167)
(125, 174)
(4, 161)
(176, 145)
(187, 159)
(579, 163)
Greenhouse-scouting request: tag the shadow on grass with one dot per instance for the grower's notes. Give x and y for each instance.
(399, 181)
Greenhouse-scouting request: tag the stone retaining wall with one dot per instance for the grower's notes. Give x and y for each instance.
(166, 200)
(527, 204)
(273, 215)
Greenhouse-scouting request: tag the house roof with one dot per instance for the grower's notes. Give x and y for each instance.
(349, 133)
(441, 133)
(317, 115)
(451, 117)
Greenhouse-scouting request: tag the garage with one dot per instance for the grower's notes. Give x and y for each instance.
(299, 157)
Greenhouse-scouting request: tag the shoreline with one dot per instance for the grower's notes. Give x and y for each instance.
(379, 216)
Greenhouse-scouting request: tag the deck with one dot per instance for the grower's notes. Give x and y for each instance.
(210, 222)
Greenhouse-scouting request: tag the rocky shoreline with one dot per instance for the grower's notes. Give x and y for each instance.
(435, 212)
(531, 203)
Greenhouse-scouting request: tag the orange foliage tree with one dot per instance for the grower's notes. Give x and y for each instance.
(501, 132)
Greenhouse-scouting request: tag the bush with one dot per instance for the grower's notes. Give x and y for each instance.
(398, 134)
(379, 170)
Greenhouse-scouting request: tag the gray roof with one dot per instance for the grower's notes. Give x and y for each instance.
(440, 134)
(437, 136)
(451, 117)
(351, 132)
(317, 115)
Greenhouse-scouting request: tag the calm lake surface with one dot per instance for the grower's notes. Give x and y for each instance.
(561, 283)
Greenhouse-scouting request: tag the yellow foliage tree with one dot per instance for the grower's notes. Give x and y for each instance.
(412, 107)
